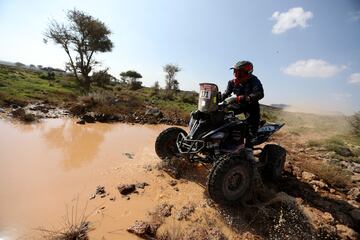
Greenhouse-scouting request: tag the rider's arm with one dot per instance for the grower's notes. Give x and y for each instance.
(229, 90)
(257, 91)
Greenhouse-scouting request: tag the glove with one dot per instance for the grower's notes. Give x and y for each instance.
(230, 100)
(242, 98)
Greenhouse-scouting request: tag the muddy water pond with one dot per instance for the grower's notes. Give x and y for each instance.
(49, 170)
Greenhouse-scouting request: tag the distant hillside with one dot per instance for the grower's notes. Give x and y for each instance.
(281, 106)
(6, 63)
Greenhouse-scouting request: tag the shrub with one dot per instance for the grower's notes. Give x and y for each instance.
(355, 123)
(167, 95)
(333, 175)
(135, 85)
(101, 78)
(49, 76)
(189, 97)
(314, 143)
(155, 89)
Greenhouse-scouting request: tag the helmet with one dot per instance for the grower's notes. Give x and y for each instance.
(244, 66)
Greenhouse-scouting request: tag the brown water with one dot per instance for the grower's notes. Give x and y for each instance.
(46, 166)
(49, 170)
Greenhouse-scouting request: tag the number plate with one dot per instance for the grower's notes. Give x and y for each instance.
(205, 94)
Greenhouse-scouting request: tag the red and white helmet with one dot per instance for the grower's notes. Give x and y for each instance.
(244, 66)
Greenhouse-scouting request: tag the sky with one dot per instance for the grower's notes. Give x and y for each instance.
(305, 53)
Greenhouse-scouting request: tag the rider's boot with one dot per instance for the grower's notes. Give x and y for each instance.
(250, 157)
(249, 154)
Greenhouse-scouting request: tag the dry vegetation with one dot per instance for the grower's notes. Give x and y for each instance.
(75, 226)
(333, 175)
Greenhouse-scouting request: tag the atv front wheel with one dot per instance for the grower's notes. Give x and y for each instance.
(274, 157)
(165, 145)
(230, 179)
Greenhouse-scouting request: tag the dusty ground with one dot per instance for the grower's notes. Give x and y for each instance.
(58, 171)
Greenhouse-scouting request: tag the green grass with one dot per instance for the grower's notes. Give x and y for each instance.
(337, 144)
(21, 86)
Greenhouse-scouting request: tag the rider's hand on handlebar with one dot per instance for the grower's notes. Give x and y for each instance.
(230, 100)
(242, 98)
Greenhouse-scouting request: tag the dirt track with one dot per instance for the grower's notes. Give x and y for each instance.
(53, 168)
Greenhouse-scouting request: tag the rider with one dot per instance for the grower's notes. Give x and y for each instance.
(248, 90)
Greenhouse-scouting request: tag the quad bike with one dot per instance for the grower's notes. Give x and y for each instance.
(217, 137)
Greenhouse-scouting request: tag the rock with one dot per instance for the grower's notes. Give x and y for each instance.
(2, 110)
(316, 217)
(141, 185)
(216, 234)
(81, 122)
(344, 151)
(353, 204)
(345, 232)
(329, 219)
(319, 184)
(100, 190)
(176, 189)
(144, 229)
(129, 155)
(88, 118)
(148, 168)
(92, 196)
(355, 214)
(355, 178)
(307, 176)
(354, 194)
(345, 164)
(184, 181)
(164, 210)
(185, 212)
(172, 182)
(104, 118)
(296, 171)
(16, 106)
(332, 190)
(154, 112)
(112, 198)
(356, 167)
(126, 189)
(21, 114)
(203, 233)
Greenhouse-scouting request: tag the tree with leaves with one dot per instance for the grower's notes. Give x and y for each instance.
(81, 37)
(171, 83)
(131, 77)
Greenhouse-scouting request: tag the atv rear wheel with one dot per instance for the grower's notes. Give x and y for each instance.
(165, 145)
(273, 156)
(230, 179)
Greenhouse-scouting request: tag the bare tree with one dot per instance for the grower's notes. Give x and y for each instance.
(81, 37)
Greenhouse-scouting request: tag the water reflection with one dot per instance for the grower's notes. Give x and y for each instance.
(79, 144)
